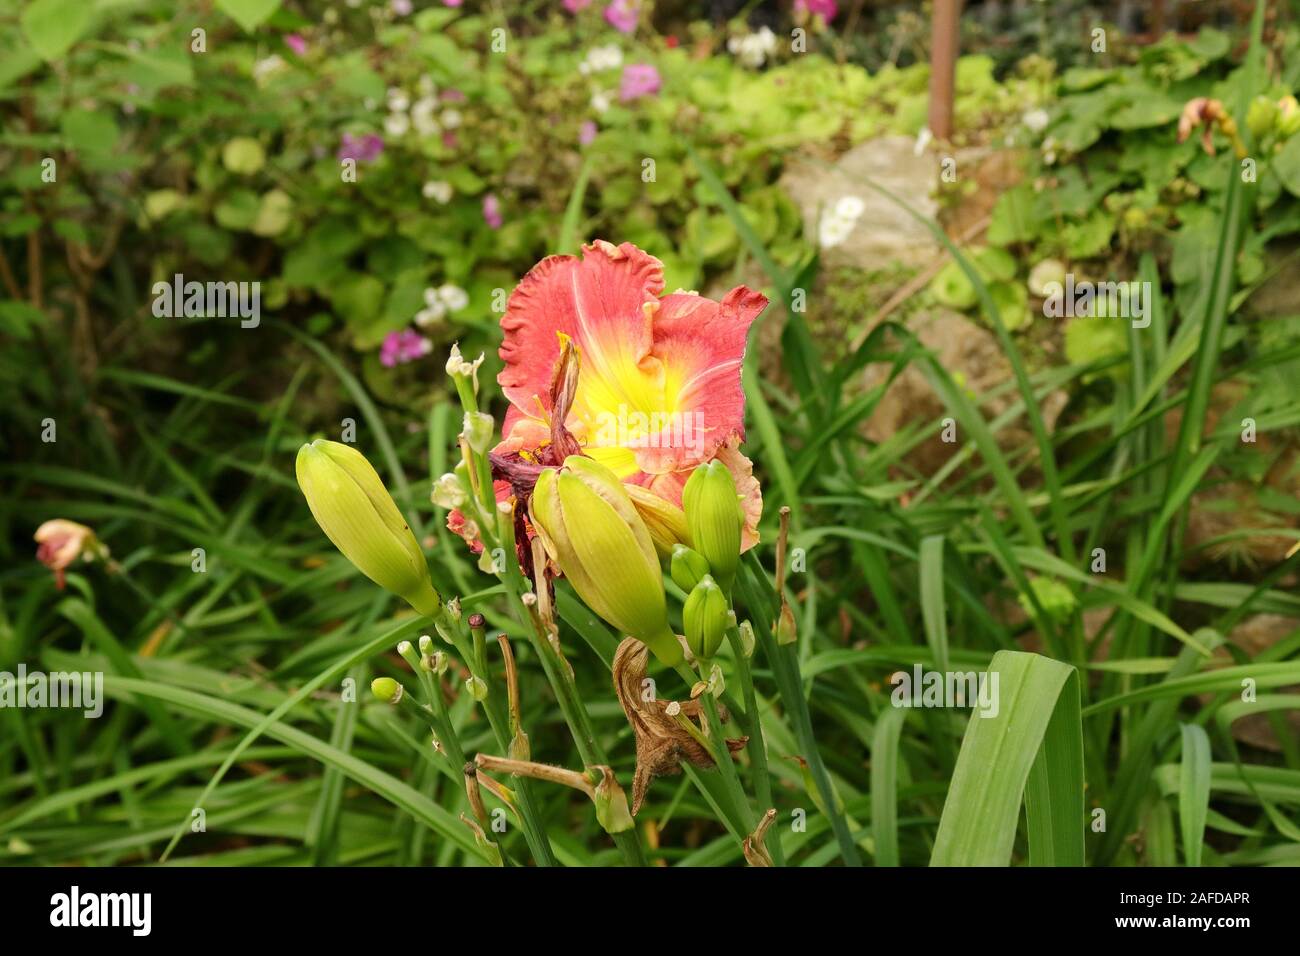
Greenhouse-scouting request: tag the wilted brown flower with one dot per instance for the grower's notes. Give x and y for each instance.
(661, 742)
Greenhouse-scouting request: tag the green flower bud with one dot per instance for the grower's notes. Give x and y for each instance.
(406, 650)
(786, 630)
(386, 689)
(478, 430)
(714, 519)
(477, 687)
(705, 616)
(687, 567)
(1261, 116)
(611, 803)
(747, 639)
(592, 532)
(351, 505)
(1288, 117)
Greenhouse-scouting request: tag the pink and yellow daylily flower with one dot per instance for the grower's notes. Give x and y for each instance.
(655, 389)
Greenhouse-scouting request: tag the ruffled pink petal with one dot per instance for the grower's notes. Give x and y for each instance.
(603, 301)
(701, 346)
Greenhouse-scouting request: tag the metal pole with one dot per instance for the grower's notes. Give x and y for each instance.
(943, 65)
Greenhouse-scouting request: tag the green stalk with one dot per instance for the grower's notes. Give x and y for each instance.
(757, 747)
(785, 667)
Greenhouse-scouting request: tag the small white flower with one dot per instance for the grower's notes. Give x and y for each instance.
(451, 119)
(456, 364)
(600, 101)
(266, 66)
(438, 190)
(453, 296)
(833, 230)
(1036, 120)
(434, 301)
(923, 139)
(422, 116)
(601, 58)
(397, 124)
(398, 101)
(427, 318)
(849, 207)
(449, 492)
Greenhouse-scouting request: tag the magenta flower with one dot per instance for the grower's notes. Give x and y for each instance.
(622, 15)
(296, 43)
(587, 132)
(639, 79)
(573, 6)
(826, 9)
(363, 149)
(452, 3)
(402, 8)
(402, 347)
(492, 211)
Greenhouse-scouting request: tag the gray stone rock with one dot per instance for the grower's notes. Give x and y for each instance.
(884, 233)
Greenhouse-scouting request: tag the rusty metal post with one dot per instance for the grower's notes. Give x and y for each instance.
(943, 65)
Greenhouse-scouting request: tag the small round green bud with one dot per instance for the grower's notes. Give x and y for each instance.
(687, 567)
(386, 689)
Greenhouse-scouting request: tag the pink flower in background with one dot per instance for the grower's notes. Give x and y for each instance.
(296, 43)
(453, 96)
(402, 8)
(492, 210)
(639, 79)
(573, 6)
(452, 3)
(363, 149)
(622, 15)
(402, 347)
(826, 9)
(587, 132)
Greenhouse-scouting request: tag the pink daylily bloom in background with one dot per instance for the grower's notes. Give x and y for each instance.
(622, 15)
(638, 80)
(402, 347)
(826, 9)
(658, 384)
(492, 211)
(363, 149)
(296, 43)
